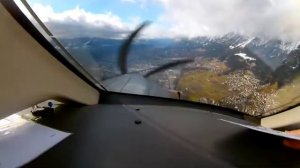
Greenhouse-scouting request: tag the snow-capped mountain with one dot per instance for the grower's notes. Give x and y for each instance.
(268, 59)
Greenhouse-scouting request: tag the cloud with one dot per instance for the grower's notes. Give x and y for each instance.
(78, 22)
(274, 19)
(129, 1)
(265, 18)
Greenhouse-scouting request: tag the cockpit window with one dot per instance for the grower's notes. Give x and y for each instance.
(239, 54)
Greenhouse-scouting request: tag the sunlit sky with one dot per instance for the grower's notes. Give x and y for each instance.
(125, 9)
(171, 18)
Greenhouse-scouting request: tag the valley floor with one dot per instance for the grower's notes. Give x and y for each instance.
(213, 82)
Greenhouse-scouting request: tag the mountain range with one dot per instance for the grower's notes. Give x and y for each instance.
(269, 60)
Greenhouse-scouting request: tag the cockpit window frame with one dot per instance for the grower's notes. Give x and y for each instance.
(69, 61)
(73, 65)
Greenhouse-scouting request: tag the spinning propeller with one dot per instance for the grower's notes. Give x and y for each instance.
(134, 83)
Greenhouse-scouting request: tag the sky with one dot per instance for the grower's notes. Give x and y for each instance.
(272, 19)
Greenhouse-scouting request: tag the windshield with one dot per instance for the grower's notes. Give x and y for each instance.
(239, 54)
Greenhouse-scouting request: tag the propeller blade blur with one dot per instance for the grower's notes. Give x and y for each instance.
(125, 48)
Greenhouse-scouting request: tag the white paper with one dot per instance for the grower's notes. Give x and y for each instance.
(21, 140)
(265, 130)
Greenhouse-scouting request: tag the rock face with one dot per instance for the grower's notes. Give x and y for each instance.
(290, 68)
